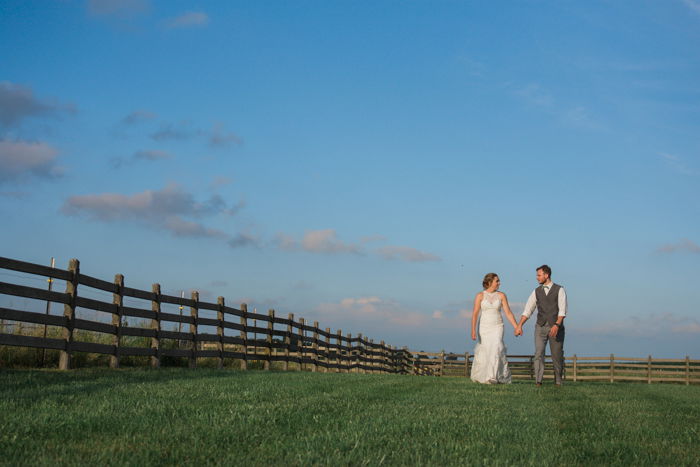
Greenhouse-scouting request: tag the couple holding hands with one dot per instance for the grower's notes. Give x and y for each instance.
(490, 363)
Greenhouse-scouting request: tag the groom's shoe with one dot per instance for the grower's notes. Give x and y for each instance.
(538, 384)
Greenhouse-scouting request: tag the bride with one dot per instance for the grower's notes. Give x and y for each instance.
(490, 364)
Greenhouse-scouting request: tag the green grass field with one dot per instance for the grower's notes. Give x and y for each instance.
(180, 416)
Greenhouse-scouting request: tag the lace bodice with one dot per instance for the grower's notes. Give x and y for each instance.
(491, 308)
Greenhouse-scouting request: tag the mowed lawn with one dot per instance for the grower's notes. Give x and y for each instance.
(181, 416)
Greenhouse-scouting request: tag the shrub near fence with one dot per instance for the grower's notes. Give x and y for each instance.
(611, 369)
(297, 343)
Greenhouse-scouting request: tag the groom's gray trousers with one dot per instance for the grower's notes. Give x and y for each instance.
(556, 347)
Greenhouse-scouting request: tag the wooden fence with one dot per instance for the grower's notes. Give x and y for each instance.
(611, 368)
(284, 340)
(295, 344)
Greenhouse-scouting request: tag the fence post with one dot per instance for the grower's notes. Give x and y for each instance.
(220, 330)
(575, 367)
(328, 351)
(390, 359)
(372, 357)
(118, 300)
(314, 366)
(350, 353)
(649, 369)
(406, 361)
(194, 313)
(612, 368)
(442, 362)
(64, 362)
(338, 343)
(466, 364)
(268, 361)
(155, 326)
(288, 341)
(382, 357)
(687, 370)
(302, 322)
(359, 355)
(244, 335)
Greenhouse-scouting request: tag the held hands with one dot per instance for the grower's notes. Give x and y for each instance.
(518, 331)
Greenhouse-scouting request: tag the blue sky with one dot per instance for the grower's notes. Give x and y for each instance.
(364, 164)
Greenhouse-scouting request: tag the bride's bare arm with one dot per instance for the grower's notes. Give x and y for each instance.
(475, 313)
(509, 314)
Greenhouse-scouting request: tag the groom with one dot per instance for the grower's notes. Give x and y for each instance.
(550, 300)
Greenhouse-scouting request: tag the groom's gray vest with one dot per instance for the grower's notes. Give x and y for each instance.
(547, 305)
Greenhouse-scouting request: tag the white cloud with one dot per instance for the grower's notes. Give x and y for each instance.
(190, 19)
(20, 159)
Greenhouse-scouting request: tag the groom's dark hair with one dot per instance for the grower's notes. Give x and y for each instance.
(545, 269)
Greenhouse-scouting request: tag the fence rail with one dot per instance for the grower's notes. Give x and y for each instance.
(297, 342)
(610, 368)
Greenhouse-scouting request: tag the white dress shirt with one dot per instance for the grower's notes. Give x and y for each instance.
(532, 301)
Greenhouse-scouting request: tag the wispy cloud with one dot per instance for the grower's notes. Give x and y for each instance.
(147, 155)
(217, 137)
(243, 239)
(326, 241)
(693, 5)
(21, 159)
(138, 116)
(220, 181)
(405, 253)
(683, 246)
(576, 116)
(190, 19)
(171, 209)
(175, 132)
(17, 103)
(677, 164)
(220, 137)
(317, 241)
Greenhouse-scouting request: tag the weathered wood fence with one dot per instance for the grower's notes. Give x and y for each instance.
(610, 368)
(284, 340)
(294, 343)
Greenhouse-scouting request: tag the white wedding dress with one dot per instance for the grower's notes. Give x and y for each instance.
(490, 363)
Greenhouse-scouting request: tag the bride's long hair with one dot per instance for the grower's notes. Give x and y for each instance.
(488, 278)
